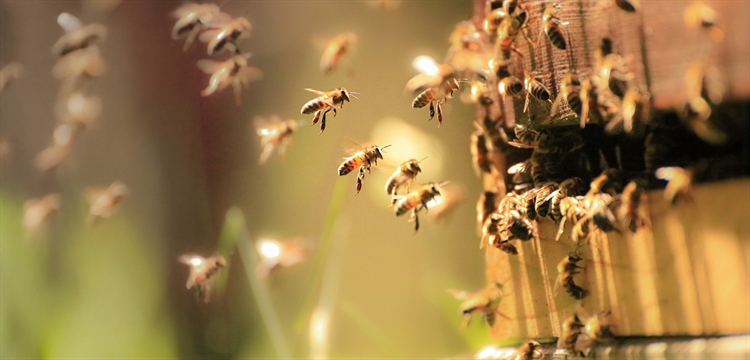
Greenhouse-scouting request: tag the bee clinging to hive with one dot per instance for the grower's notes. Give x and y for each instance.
(480, 152)
(105, 202)
(417, 200)
(572, 328)
(223, 33)
(77, 36)
(551, 26)
(325, 102)
(436, 97)
(404, 175)
(192, 18)
(235, 71)
(363, 159)
(484, 302)
(530, 350)
(567, 269)
(337, 47)
(203, 273)
(276, 133)
(534, 88)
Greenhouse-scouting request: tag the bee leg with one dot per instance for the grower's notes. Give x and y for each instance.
(323, 122)
(440, 114)
(432, 110)
(316, 118)
(360, 178)
(415, 217)
(334, 111)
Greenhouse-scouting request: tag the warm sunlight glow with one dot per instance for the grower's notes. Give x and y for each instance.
(270, 249)
(425, 64)
(195, 261)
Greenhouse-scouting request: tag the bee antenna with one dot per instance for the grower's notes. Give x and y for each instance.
(381, 149)
(354, 94)
(444, 183)
(420, 161)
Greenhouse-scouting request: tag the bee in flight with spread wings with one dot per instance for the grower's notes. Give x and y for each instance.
(234, 71)
(325, 102)
(274, 133)
(203, 273)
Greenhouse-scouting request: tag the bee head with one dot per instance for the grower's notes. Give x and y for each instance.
(413, 165)
(435, 189)
(220, 262)
(344, 94)
(379, 151)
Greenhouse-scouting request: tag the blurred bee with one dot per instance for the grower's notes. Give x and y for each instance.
(63, 137)
(526, 138)
(275, 254)
(234, 71)
(273, 134)
(484, 302)
(679, 183)
(703, 85)
(76, 35)
(701, 15)
(572, 328)
(597, 207)
(71, 68)
(435, 77)
(436, 97)
(480, 153)
(543, 200)
(325, 102)
(609, 181)
(337, 47)
(551, 26)
(567, 269)
(105, 202)
(535, 89)
(203, 273)
(628, 5)
(486, 205)
(635, 110)
(11, 71)
(706, 82)
(569, 187)
(631, 209)
(492, 20)
(507, 32)
(589, 97)
(404, 175)
(37, 212)
(510, 86)
(363, 159)
(599, 327)
(417, 200)
(530, 350)
(570, 91)
(479, 93)
(465, 36)
(522, 179)
(570, 210)
(192, 19)
(450, 197)
(614, 74)
(79, 110)
(224, 34)
(582, 230)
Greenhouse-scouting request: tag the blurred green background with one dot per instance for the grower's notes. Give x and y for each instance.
(116, 290)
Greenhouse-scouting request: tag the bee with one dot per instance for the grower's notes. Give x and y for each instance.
(63, 138)
(277, 133)
(11, 71)
(635, 109)
(79, 110)
(363, 160)
(192, 19)
(234, 71)
(581, 230)
(614, 74)
(628, 5)
(450, 197)
(510, 86)
(705, 82)
(480, 153)
(465, 36)
(325, 102)
(679, 183)
(224, 34)
(527, 138)
(609, 181)
(522, 179)
(570, 210)
(105, 202)
(37, 212)
(570, 90)
(77, 36)
(530, 350)
(203, 273)
(404, 175)
(589, 97)
(597, 207)
(436, 97)
(484, 302)
(566, 188)
(486, 205)
(599, 328)
(703, 85)
(702, 16)
(535, 89)
(86, 62)
(337, 47)
(417, 200)
(551, 26)
(434, 78)
(543, 199)
(572, 328)
(275, 254)
(507, 33)
(479, 93)
(492, 21)
(631, 207)
(567, 269)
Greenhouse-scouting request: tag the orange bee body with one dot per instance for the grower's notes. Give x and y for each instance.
(404, 175)
(325, 102)
(234, 71)
(416, 201)
(337, 47)
(203, 272)
(363, 159)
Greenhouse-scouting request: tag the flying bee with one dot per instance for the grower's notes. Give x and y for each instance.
(277, 133)
(224, 34)
(567, 188)
(9, 72)
(589, 97)
(567, 269)
(404, 175)
(492, 21)
(37, 212)
(679, 186)
(479, 93)
(631, 209)
(362, 159)
(486, 205)
(79, 110)
(702, 16)
(530, 350)
(551, 26)
(614, 74)
(192, 19)
(484, 302)
(86, 62)
(451, 196)
(203, 273)
(597, 207)
(480, 153)
(337, 47)
(235, 71)
(436, 97)
(63, 139)
(465, 36)
(417, 200)
(105, 202)
(704, 87)
(77, 36)
(535, 89)
(279, 254)
(325, 102)
(572, 328)
(635, 110)
(433, 76)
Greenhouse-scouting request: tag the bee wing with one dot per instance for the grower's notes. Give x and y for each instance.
(459, 294)
(249, 74)
(421, 82)
(315, 91)
(209, 66)
(208, 35)
(266, 153)
(68, 22)
(217, 20)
